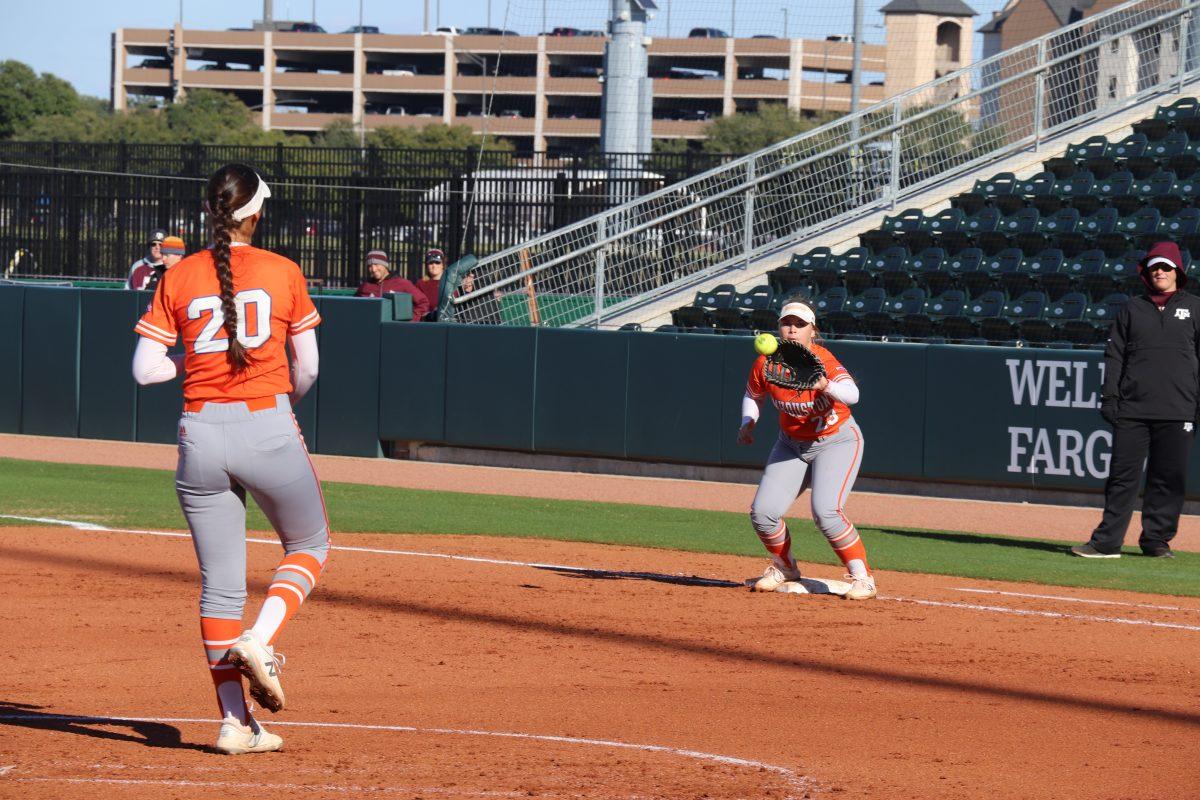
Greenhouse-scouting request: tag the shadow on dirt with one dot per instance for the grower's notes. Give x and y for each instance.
(150, 734)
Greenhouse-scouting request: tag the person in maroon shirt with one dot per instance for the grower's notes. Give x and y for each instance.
(435, 264)
(382, 282)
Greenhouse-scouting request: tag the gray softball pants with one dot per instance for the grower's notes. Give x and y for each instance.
(226, 450)
(827, 466)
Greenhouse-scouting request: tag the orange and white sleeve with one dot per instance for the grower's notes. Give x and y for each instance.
(158, 323)
(756, 389)
(841, 385)
(304, 313)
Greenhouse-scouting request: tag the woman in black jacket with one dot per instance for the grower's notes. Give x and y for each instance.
(1150, 397)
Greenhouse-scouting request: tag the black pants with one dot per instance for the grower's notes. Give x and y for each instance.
(1167, 445)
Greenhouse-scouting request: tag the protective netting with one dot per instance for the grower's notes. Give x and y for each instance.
(851, 167)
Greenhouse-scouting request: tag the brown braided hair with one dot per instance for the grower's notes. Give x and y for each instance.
(229, 188)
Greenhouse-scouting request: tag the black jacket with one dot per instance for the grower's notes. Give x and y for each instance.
(1152, 363)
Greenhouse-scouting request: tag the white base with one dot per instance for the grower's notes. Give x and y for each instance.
(815, 586)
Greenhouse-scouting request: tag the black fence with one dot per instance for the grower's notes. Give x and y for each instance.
(86, 209)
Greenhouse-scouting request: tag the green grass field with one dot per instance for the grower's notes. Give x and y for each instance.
(143, 498)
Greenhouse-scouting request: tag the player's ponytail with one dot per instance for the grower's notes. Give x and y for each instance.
(229, 188)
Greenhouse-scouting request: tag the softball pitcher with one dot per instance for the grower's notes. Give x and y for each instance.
(819, 446)
(236, 307)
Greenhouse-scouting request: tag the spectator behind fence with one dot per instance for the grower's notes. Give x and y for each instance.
(173, 251)
(435, 265)
(383, 282)
(143, 269)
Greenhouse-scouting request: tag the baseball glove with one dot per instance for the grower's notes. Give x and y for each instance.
(793, 366)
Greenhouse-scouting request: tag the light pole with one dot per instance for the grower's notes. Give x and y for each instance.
(785, 25)
(360, 18)
(314, 13)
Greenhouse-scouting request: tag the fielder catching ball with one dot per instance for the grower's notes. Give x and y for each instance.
(236, 307)
(819, 446)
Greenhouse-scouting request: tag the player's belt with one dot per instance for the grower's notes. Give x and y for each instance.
(254, 404)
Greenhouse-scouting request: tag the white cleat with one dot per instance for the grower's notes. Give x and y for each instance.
(860, 588)
(236, 739)
(773, 578)
(261, 665)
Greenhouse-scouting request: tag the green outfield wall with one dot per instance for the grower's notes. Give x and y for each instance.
(976, 415)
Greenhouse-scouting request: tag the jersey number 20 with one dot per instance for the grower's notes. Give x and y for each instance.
(254, 303)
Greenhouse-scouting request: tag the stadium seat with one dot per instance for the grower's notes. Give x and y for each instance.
(1119, 183)
(949, 219)
(1065, 219)
(928, 260)
(988, 304)
(763, 320)
(718, 297)
(1070, 306)
(916, 326)
(1088, 148)
(1106, 310)
(1015, 284)
(1185, 164)
(997, 330)
(958, 328)
(1054, 284)
(910, 219)
(785, 280)
(1189, 185)
(986, 220)
(1030, 305)
(702, 329)
(830, 300)
(1173, 144)
(1036, 331)
(1189, 126)
(1103, 221)
(948, 303)
(1089, 262)
(1040, 184)
(1168, 205)
(1009, 204)
(816, 258)
(854, 258)
(1124, 265)
(1160, 183)
(727, 319)
(895, 282)
(1101, 166)
(1097, 286)
(823, 279)
(889, 260)
(1185, 222)
(1049, 205)
(910, 301)
(1113, 244)
(1087, 204)
(952, 241)
(1132, 145)
(1183, 108)
(1061, 167)
(1128, 204)
(1024, 221)
(1141, 167)
(969, 202)
(1082, 332)
(667, 329)
(879, 240)
(757, 297)
(689, 317)
(871, 299)
(739, 332)
(1078, 184)
(1007, 260)
(630, 326)
(857, 281)
(841, 323)
(1153, 129)
(966, 260)
(1144, 221)
(1004, 183)
(880, 325)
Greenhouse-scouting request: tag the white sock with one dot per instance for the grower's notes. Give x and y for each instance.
(269, 619)
(858, 568)
(233, 702)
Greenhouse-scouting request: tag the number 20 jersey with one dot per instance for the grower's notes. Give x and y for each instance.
(272, 303)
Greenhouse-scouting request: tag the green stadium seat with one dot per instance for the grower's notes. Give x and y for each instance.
(876, 241)
(1185, 164)
(967, 260)
(718, 297)
(888, 260)
(739, 332)
(842, 324)
(832, 299)
(1189, 186)
(1089, 262)
(1127, 204)
(1183, 108)
(1187, 221)
(1082, 332)
(949, 219)
(1007, 260)
(854, 258)
(1029, 305)
(784, 280)
(757, 297)
(1173, 144)
(948, 303)
(1160, 183)
(822, 279)
(1037, 331)
(986, 220)
(1118, 183)
(895, 282)
(1088, 148)
(857, 281)
(1040, 184)
(727, 318)
(814, 259)
(630, 326)
(1079, 183)
(1153, 129)
(1132, 145)
(1065, 219)
(1015, 284)
(952, 241)
(1103, 221)
(1131, 285)
(1009, 204)
(1189, 126)
(1060, 167)
(910, 219)
(998, 330)
(1055, 284)
(909, 301)
(958, 328)
(871, 299)
(702, 329)
(880, 325)
(928, 260)
(916, 326)
(689, 317)
(1142, 166)
(969, 202)
(988, 304)
(1049, 205)
(1124, 264)
(667, 329)
(1024, 221)
(1106, 310)
(1047, 260)
(1113, 244)
(763, 319)
(1141, 223)
(1101, 166)
(1097, 285)
(1004, 183)
(1168, 205)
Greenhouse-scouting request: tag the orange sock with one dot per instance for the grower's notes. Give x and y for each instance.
(853, 553)
(779, 545)
(218, 636)
(294, 580)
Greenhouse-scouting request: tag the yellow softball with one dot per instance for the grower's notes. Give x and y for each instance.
(766, 343)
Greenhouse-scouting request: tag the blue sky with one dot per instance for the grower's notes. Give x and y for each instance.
(70, 38)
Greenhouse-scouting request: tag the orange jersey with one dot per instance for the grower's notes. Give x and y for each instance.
(272, 303)
(804, 415)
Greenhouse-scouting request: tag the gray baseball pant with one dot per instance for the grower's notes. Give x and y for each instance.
(827, 466)
(226, 450)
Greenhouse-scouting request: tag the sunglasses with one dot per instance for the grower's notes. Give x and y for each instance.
(1160, 268)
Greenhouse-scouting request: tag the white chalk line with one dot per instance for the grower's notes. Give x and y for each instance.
(91, 527)
(287, 787)
(1066, 599)
(798, 781)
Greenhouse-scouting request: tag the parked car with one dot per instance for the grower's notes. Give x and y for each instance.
(840, 37)
(430, 111)
(510, 112)
(707, 33)
(362, 29)
(764, 36)
(489, 32)
(214, 67)
(564, 32)
(592, 33)
(392, 69)
(302, 27)
(390, 109)
(557, 71)
(444, 30)
(155, 63)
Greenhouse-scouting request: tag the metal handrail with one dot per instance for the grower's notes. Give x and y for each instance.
(755, 178)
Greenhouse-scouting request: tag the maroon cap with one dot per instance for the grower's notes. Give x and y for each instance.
(1163, 253)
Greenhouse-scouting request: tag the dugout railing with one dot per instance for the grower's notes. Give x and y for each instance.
(858, 165)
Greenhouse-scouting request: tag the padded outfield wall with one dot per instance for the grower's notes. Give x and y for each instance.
(976, 415)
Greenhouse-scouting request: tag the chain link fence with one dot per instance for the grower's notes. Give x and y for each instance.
(855, 166)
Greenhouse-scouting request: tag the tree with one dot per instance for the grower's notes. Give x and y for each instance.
(25, 96)
(744, 133)
(339, 133)
(435, 136)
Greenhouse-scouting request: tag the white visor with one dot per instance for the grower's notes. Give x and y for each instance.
(1154, 262)
(254, 205)
(800, 310)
